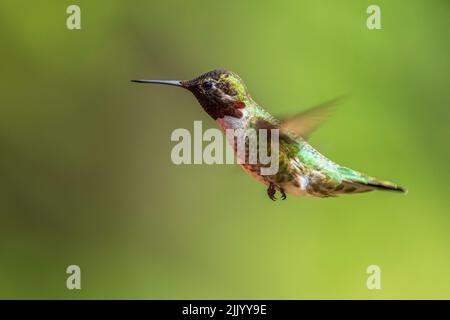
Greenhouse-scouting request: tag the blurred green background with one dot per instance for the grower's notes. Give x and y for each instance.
(86, 175)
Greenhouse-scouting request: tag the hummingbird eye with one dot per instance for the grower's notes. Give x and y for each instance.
(207, 85)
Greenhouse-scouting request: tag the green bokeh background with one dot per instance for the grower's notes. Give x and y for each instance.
(86, 175)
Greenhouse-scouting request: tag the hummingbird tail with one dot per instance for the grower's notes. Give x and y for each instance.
(363, 183)
(379, 185)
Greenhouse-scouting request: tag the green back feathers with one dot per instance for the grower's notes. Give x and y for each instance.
(344, 180)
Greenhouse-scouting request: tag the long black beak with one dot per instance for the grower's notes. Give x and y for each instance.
(168, 82)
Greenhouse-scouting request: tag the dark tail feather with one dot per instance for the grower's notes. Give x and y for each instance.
(379, 185)
(355, 181)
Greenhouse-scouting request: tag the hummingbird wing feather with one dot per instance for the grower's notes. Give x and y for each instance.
(260, 123)
(304, 123)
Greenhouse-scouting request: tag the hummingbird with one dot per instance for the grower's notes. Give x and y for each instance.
(303, 171)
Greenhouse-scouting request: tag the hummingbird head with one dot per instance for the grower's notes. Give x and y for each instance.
(220, 92)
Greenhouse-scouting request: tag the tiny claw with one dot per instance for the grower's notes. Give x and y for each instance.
(283, 194)
(271, 191)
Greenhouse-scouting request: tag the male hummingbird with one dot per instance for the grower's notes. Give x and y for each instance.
(302, 169)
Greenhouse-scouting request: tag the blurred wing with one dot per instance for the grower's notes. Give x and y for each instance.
(304, 123)
(269, 125)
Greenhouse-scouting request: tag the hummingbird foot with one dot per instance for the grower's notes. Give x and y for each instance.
(272, 190)
(283, 194)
